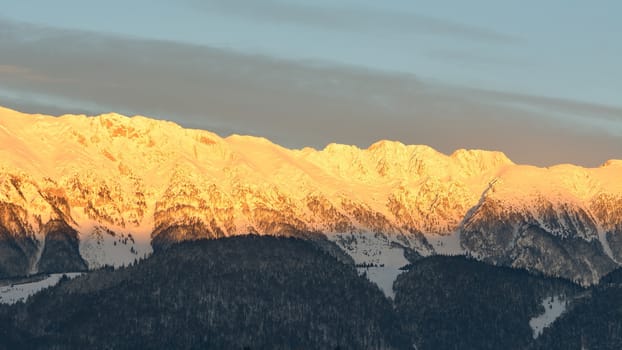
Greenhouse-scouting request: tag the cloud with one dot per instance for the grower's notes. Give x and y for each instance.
(294, 104)
(585, 109)
(464, 57)
(11, 71)
(352, 18)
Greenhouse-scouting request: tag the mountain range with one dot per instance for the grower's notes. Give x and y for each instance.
(80, 192)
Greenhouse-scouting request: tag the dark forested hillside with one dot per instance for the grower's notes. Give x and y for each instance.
(457, 303)
(286, 293)
(595, 321)
(614, 277)
(243, 292)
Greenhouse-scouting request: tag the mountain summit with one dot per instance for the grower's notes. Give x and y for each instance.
(79, 192)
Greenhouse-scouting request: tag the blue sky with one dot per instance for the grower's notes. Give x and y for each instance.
(550, 67)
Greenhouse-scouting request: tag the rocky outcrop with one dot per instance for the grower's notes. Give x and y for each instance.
(554, 238)
(61, 250)
(18, 246)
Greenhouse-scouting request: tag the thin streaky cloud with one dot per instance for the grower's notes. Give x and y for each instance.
(587, 109)
(464, 57)
(352, 18)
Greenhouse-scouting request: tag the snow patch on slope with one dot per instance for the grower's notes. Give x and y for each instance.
(446, 244)
(103, 246)
(604, 242)
(553, 308)
(375, 255)
(383, 276)
(13, 293)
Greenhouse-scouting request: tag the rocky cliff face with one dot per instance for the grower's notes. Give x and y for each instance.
(559, 241)
(79, 191)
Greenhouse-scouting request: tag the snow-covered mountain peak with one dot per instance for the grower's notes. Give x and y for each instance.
(612, 163)
(480, 160)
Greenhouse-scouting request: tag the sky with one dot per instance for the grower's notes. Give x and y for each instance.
(538, 80)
